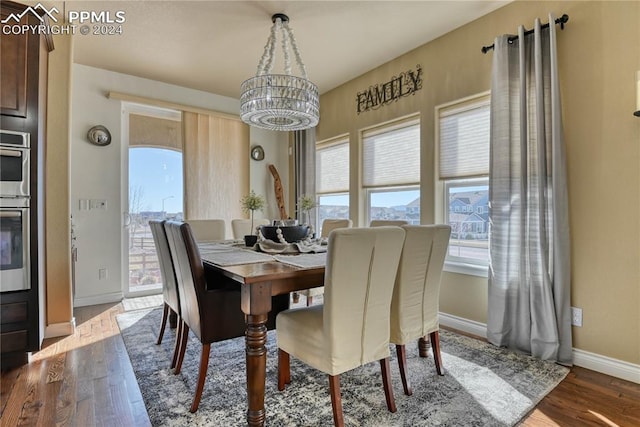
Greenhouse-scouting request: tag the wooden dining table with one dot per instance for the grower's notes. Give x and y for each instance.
(259, 282)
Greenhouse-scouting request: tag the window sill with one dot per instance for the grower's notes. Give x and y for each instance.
(468, 269)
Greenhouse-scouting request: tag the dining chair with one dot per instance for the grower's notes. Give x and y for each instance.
(212, 315)
(386, 222)
(170, 294)
(351, 328)
(328, 225)
(242, 227)
(415, 303)
(208, 230)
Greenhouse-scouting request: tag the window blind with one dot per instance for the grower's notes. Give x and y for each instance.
(332, 169)
(464, 141)
(392, 157)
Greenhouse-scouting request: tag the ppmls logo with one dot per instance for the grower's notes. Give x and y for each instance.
(33, 10)
(79, 21)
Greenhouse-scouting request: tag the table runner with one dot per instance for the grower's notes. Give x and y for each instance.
(303, 260)
(235, 257)
(222, 246)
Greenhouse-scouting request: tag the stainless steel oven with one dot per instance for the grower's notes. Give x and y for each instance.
(14, 164)
(14, 244)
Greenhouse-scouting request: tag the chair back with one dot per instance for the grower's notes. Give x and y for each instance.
(387, 222)
(208, 230)
(209, 305)
(360, 273)
(330, 224)
(415, 304)
(189, 272)
(167, 271)
(242, 227)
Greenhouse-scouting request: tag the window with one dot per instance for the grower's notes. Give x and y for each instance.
(391, 171)
(463, 168)
(155, 193)
(332, 180)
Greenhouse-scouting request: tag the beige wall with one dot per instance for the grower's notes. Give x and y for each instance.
(598, 58)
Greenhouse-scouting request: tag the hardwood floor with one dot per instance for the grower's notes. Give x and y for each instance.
(82, 380)
(86, 380)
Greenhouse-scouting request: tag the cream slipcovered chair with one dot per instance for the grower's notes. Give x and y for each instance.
(328, 225)
(414, 308)
(207, 230)
(383, 222)
(351, 328)
(242, 227)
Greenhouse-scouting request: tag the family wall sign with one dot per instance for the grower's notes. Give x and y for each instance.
(404, 84)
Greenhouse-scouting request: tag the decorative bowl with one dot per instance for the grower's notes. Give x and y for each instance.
(290, 233)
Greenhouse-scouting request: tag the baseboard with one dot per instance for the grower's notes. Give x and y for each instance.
(98, 299)
(464, 325)
(595, 362)
(607, 365)
(60, 329)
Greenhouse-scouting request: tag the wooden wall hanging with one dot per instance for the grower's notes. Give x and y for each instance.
(277, 186)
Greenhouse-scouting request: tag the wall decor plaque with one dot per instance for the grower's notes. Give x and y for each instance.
(404, 84)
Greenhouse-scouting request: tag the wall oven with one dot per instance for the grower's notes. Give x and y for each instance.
(15, 225)
(14, 164)
(14, 244)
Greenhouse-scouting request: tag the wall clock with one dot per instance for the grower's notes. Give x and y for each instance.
(257, 153)
(99, 135)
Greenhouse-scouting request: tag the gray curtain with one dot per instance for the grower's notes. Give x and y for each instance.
(529, 281)
(304, 147)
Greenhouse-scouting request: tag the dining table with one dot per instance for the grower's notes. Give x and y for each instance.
(261, 276)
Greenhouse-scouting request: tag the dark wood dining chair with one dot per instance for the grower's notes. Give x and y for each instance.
(416, 295)
(209, 305)
(351, 328)
(170, 296)
(211, 314)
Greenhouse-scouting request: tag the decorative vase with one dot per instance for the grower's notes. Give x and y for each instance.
(250, 240)
(288, 233)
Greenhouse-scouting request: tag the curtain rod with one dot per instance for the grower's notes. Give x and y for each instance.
(562, 20)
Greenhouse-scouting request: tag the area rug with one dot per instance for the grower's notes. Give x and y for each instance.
(483, 385)
(150, 301)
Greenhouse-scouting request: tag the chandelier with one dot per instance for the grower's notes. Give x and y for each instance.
(279, 101)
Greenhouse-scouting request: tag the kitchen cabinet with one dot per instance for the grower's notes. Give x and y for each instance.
(23, 99)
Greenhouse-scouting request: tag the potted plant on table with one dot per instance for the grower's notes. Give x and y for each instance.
(306, 204)
(250, 203)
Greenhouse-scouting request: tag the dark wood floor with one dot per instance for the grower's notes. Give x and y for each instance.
(86, 380)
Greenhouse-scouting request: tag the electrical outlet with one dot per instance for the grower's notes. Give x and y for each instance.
(576, 316)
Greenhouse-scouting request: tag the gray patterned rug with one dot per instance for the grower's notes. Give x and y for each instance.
(483, 385)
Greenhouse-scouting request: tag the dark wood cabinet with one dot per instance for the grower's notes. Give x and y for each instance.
(23, 81)
(14, 73)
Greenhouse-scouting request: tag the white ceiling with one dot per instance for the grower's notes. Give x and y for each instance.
(215, 45)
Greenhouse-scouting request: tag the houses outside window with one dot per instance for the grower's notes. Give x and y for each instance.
(463, 172)
(391, 171)
(332, 179)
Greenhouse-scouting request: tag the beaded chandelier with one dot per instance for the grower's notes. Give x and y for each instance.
(279, 101)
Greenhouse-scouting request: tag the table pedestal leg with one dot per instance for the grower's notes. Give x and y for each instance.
(256, 339)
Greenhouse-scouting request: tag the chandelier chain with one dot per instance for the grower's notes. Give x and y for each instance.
(296, 52)
(266, 62)
(265, 66)
(285, 49)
